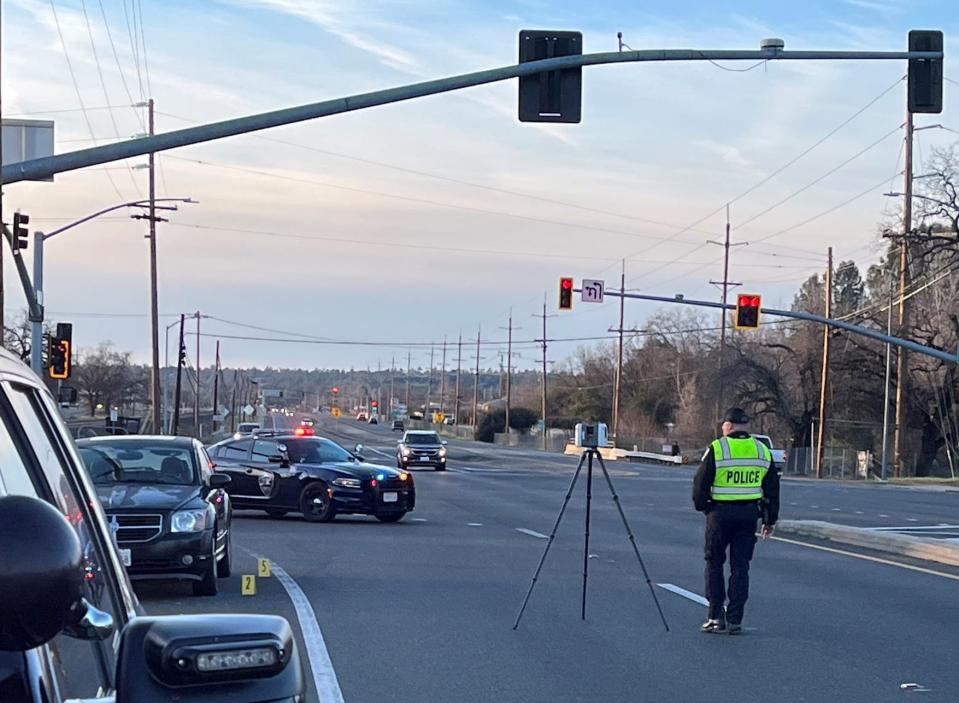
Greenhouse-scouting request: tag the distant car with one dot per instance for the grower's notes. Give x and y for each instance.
(449, 420)
(421, 448)
(165, 506)
(779, 455)
(307, 422)
(362, 417)
(398, 426)
(283, 472)
(245, 429)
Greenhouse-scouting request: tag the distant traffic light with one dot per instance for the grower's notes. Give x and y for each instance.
(336, 391)
(555, 96)
(20, 234)
(375, 403)
(565, 293)
(924, 79)
(747, 311)
(182, 358)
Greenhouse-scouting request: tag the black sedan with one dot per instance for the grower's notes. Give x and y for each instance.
(167, 509)
(288, 472)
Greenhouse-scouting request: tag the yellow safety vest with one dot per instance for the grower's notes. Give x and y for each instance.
(741, 466)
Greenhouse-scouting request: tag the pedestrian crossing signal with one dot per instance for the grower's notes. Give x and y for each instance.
(566, 293)
(748, 306)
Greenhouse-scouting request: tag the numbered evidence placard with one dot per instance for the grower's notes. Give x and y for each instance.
(249, 585)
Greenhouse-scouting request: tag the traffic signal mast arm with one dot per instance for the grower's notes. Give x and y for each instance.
(38, 169)
(799, 315)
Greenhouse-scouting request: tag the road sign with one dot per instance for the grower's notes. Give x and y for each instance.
(248, 409)
(439, 417)
(593, 290)
(336, 412)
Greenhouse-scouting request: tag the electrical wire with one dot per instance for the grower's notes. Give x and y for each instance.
(76, 88)
(106, 95)
(143, 42)
(134, 46)
(116, 58)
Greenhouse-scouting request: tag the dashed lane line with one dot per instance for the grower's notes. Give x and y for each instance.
(695, 597)
(532, 533)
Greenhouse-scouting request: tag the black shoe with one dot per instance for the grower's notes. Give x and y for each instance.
(734, 628)
(713, 626)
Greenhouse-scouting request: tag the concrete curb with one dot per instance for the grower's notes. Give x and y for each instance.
(905, 545)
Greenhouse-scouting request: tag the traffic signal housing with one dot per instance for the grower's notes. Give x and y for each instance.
(554, 96)
(58, 358)
(748, 307)
(925, 75)
(566, 293)
(20, 234)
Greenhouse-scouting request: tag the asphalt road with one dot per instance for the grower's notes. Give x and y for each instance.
(423, 610)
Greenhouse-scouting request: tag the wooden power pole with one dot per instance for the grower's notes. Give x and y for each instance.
(824, 381)
(902, 358)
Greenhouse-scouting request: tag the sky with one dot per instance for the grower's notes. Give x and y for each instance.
(416, 222)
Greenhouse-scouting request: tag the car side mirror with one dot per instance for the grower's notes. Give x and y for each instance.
(208, 659)
(41, 588)
(219, 480)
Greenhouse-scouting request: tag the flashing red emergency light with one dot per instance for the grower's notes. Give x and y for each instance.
(566, 293)
(748, 307)
(304, 431)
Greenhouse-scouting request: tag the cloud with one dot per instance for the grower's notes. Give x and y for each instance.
(729, 153)
(883, 6)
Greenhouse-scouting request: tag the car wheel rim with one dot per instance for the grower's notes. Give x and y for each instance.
(317, 502)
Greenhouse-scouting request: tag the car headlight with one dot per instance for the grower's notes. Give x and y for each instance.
(442, 451)
(405, 451)
(189, 521)
(347, 482)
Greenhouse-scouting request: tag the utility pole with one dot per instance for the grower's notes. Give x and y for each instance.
(824, 380)
(884, 471)
(429, 386)
(617, 390)
(216, 384)
(392, 377)
(409, 368)
(545, 445)
(459, 367)
(443, 381)
(196, 398)
(902, 358)
(725, 285)
(179, 376)
(509, 370)
(233, 402)
(154, 306)
(476, 381)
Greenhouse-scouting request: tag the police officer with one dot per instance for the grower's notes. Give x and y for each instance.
(736, 484)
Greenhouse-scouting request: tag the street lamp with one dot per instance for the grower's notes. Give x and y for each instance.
(36, 328)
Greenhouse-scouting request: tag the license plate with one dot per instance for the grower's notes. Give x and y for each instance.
(126, 557)
(391, 497)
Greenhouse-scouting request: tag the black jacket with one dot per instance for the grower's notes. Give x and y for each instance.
(703, 481)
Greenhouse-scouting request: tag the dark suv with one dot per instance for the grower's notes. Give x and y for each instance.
(70, 624)
(421, 448)
(168, 512)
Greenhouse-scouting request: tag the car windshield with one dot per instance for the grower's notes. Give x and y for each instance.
(247, 427)
(140, 462)
(423, 438)
(764, 440)
(316, 451)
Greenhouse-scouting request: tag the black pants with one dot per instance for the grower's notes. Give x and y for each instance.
(733, 527)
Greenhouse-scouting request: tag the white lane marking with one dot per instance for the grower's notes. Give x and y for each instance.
(420, 519)
(324, 678)
(378, 451)
(695, 597)
(813, 506)
(474, 524)
(911, 519)
(888, 562)
(917, 528)
(532, 533)
(836, 510)
(858, 512)
(883, 515)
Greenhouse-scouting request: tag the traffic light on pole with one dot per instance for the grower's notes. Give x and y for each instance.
(336, 391)
(375, 403)
(924, 79)
(748, 306)
(182, 358)
(20, 234)
(566, 293)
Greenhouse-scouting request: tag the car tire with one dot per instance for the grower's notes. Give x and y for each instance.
(392, 517)
(311, 509)
(207, 586)
(276, 514)
(224, 567)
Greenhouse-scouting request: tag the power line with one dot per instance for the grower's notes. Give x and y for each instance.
(30, 113)
(116, 58)
(76, 87)
(143, 42)
(103, 85)
(134, 47)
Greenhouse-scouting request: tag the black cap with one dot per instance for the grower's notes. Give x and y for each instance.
(737, 416)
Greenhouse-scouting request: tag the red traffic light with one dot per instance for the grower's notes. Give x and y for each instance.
(747, 311)
(750, 301)
(335, 390)
(566, 293)
(375, 403)
(566, 283)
